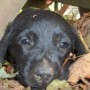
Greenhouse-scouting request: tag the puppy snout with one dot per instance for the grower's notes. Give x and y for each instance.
(44, 76)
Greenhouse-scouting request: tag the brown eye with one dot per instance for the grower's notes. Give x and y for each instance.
(64, 45)
(25, 41)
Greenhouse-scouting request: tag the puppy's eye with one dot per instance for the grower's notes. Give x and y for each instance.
(64, 45)
(25, 41)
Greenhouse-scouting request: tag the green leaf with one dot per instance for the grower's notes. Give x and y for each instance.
(57, 84)
(4, 74)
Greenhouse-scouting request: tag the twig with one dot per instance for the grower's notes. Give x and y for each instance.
(86, 47)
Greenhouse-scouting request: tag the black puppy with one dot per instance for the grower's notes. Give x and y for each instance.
(37, 43)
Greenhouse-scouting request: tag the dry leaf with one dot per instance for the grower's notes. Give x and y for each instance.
(10, 85)
(79, 69)
(59, 85)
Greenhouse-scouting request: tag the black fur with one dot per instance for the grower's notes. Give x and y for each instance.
(37, 42)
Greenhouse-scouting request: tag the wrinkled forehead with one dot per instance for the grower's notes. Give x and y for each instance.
(44, 22)
(45, 28)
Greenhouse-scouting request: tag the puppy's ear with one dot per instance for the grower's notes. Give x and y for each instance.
(5, 41)
(79, 47)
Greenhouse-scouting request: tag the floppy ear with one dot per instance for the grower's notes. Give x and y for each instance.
(5, 41)
(79, 48)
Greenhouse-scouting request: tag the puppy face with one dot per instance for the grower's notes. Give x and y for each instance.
(38, 54)
(41, 42)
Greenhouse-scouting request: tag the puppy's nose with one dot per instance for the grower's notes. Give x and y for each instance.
(44, 76)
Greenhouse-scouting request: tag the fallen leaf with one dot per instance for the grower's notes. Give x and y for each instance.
(59, 85)
(6, 84)
(79, 69)
(4, 74)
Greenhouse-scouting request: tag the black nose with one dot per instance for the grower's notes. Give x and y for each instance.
(44, 77)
